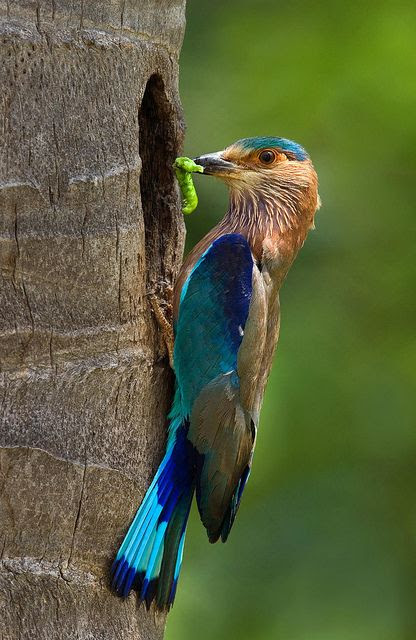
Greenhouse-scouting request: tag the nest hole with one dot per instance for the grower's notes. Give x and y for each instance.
(158, 195)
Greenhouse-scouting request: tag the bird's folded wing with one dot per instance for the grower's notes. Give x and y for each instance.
(221, 434)
(213, 311)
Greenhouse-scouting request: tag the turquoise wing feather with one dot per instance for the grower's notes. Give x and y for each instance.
(213, 312)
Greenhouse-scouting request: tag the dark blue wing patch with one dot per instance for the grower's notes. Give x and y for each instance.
(212, 315)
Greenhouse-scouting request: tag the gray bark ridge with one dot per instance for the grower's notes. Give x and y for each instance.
(90, 223)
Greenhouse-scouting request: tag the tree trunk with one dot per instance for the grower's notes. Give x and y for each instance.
(89, 224)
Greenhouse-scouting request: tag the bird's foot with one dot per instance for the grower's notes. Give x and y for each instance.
(163, 310)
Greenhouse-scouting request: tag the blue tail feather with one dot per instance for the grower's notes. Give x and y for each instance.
(150, 556)
(178, 562)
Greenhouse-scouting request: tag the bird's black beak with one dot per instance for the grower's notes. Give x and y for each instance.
(214, 165)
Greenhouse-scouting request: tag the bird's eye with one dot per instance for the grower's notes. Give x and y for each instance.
(267, 156)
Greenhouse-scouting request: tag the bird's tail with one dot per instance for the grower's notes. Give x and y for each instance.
(150, 557)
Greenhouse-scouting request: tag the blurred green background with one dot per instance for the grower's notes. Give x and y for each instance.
(324, 546)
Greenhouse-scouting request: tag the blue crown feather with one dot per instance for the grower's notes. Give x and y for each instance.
(270, 142)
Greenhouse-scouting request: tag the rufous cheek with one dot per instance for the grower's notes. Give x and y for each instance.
(281, 157)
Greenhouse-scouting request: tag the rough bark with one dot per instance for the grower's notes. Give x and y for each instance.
(89, 223)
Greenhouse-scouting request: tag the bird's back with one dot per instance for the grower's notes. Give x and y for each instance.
(256, 353)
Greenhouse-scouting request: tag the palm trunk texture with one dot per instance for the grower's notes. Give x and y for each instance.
(90, 123)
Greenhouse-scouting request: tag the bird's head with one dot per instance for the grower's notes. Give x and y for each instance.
(271, 179)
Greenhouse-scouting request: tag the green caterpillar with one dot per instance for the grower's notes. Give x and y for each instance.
(184, 167)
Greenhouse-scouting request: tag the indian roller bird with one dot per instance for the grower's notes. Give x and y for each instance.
(225, 327)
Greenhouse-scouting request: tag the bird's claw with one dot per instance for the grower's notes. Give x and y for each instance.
(163, 311)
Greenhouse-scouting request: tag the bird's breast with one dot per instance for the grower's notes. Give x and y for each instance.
(260, 339)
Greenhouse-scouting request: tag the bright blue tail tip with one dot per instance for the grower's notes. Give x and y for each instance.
(120, 580)
(124, 578)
